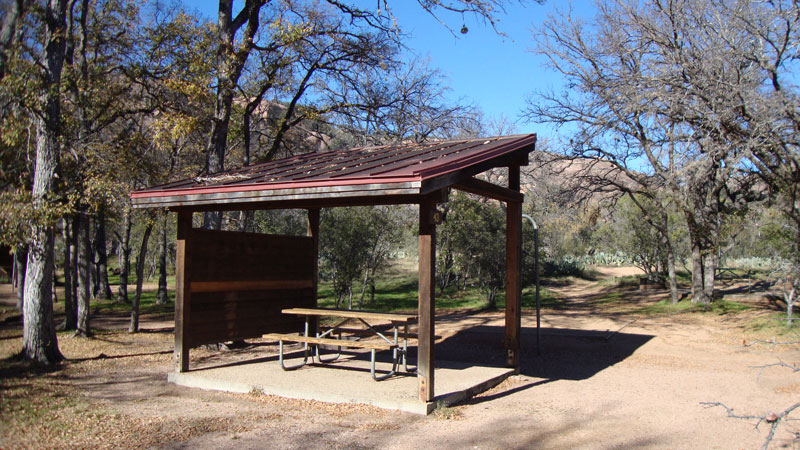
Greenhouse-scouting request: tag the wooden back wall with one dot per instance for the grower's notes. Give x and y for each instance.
(240, 282)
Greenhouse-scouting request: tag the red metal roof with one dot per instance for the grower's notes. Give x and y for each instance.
(397, 169)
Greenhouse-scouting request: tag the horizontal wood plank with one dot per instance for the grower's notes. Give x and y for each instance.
(352, 314)
(387, 332)
(329, 341)
(254, 285)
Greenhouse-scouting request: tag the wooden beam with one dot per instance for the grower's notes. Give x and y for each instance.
(224, 199)
(183, 292)
(488, 190)
(427, 300)
(514, 178)
(513, 272)
(249, 285)
(295, 204)
(517, 158)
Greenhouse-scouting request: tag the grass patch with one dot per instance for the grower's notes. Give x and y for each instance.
(147, 304)
(718, 307)
(623, 281)
(114, 279)
(611, 298)
(445, 412)
(683, 276)
(547, 299)
(589, 274)
(399, 293)
(775, 325)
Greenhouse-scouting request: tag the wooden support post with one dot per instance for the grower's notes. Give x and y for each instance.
(427, 281)
(313, 232)
(182, 290)
(513, 271)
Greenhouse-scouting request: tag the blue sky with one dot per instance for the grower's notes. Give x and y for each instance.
(482, 68)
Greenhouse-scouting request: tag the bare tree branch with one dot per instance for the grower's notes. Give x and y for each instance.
(772, 418)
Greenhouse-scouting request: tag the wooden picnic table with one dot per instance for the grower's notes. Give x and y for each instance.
(339, 336)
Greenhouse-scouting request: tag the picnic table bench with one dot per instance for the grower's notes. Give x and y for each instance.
(394, 343)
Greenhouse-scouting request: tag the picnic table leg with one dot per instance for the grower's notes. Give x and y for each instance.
(305, 352)
(338, 351)
(405, 351)
(385, 376)
(295, 367)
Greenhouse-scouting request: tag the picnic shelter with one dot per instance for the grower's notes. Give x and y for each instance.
(233, 285)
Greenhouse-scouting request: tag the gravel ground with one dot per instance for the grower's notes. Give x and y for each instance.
(606, 379)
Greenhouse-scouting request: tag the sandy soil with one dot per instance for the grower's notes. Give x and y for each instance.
(606, 378)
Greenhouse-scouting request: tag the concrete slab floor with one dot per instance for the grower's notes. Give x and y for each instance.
(347, 380)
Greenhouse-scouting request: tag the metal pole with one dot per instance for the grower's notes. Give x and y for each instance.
(536, 280)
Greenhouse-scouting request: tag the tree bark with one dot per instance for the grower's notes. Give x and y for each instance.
(84, 262)
(8, 33)
(73, 250)
(698, 294)
(672, 277)
(709, 272)
(125, 249)
(70, 319)
(134, 327)
(101, 256)
(162, 296)
(20, 263)
(92, 261)
(39, 340)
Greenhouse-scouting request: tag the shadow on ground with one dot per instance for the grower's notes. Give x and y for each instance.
(567, 354)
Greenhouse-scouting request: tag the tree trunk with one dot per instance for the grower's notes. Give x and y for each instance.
(139, 279)
(698, 295)
(39, 340)
(492, 297)
(162, 296)
(20, 263)
(218, 140)
(709, 272)
(70, 319)
(9, 36)
(92, 261)
(230, 60)
(247, 221)
(672, 277)
(84, 262)
(363, 289)
(101, 256)
(212, 220)
(73, 250)
(125, 250)
(372, 291)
